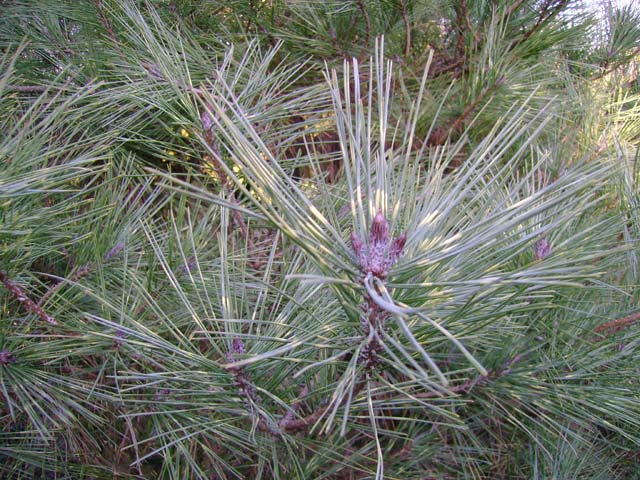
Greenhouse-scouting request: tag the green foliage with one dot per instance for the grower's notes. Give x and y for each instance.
(258, 240)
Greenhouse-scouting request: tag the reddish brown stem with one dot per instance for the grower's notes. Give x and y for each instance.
(462, 13)
(226, 182)
(467, 386)
(295, 406)
(77, 275)
(614, 326)
(513, 7)
(462, 388)
(407, 27)
(446, 66)
(367, 20)
(440, 134)
(21, 296)
(548, 11)
(334, 40)
(27, 88)
(104, 20)
(298, 424)
(474, 104)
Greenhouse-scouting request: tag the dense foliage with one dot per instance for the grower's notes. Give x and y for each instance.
(301, 239)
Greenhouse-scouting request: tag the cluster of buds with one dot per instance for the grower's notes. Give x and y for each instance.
(7, 357)
(119, 339)
(381, 253)
(207, 121)
(542, 249)
(114, 251)
(375, 258)
(162, 394)
(237, 348)
(189, 265)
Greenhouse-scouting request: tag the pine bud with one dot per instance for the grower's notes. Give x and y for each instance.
(379, 229)
(7, 357)
(207, 121)
(118, 340)
(380, 254)
(114, 251)
(542, 249)
(356, 244)
(396, 249)
(237, 346)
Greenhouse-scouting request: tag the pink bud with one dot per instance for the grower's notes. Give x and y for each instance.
(7, 357)
(542, 249)
(237, 346)
(356, 244)
(379, 229)
(395, 250)
(207, 121)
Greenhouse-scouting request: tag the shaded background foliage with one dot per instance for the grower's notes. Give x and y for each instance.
(197, 198)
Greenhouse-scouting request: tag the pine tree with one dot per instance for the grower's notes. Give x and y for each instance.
(296, 239)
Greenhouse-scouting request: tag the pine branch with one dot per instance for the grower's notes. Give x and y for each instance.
(76, 275)
(481, 380)
(457, 123)
(463, 19)
(106, 23)
(367, 20)
(21, 296)
(513, 7)
(214, 149)
(27, 88)
(549, 9)
(292, 425)
(614, 326)
(291, 414)
(334, 41)
(611, 65)
(79, 273)
(440, 134)
(445, 66)
(407, 27)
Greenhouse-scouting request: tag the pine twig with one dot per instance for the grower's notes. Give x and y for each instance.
(21, 296)
(367, 20)
(440, 135)
(614, 326)
(226, 182)
(462, 13)
(298, 424)
(467, 386)
(27, 88)
(513, 7)
(474, 104)
(104, 20)
(334, 40)
(458, 389)
(243, 382)
(407, 26)
(77, 275)
(447, 65)
(548, 11)
(214, 149)
(295, 406)
(610, 66)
